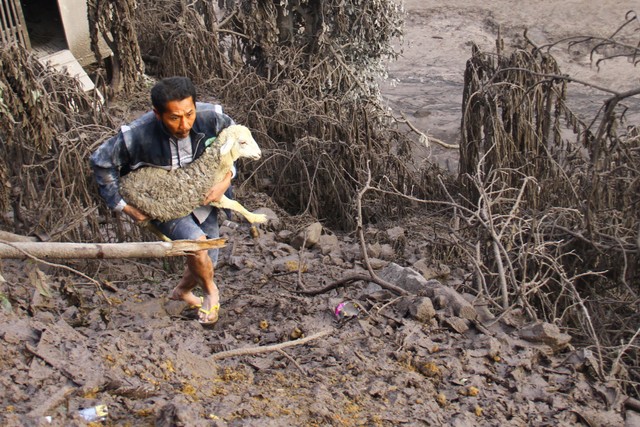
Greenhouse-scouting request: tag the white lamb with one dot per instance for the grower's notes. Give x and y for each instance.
(166, 195)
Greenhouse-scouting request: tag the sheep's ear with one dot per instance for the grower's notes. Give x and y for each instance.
(226, 147)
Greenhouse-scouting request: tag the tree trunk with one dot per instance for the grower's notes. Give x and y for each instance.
(50, 250)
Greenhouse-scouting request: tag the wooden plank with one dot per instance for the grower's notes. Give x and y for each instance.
(64, 60)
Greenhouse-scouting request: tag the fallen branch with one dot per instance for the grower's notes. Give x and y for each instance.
(269, 348)
(44, 250)
(297, 365)
(427, 139)
(10, 237)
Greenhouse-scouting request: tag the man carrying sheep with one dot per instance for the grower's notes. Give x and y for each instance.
(171, 136)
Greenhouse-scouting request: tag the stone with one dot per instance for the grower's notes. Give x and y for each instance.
(328, 244)
(395, 233)
(457, 324)
(374, 250)
(430, 271)
(413, 282)
(545, 333)
(387, 252)
(422, 310)
(377, 263)
(309, 236)
(284, 235)
(273, 220)
(289, 264)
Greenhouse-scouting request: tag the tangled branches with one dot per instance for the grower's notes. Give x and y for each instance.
(554, 217)
(47, 126)
(303, 75)
(113, 22)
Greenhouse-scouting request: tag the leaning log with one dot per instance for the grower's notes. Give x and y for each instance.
(10, 237)
(58, 250)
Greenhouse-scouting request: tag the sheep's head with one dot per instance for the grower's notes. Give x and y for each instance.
(238, 141)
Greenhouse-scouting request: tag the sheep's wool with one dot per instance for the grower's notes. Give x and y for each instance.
(166, 195)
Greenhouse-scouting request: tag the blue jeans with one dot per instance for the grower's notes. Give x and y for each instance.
(188, 228)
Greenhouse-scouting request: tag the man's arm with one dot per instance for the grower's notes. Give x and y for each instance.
(135, 213)
(106, 162)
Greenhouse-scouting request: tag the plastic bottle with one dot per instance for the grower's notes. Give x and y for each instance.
(96, 413)
(347, 309)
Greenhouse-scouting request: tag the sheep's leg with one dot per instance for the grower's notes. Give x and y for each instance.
(226, 203)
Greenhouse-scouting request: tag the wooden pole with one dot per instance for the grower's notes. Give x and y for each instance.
(56, 250)
(10, 237)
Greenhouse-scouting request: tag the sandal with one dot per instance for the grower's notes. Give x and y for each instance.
(210, 321)
(197, 306)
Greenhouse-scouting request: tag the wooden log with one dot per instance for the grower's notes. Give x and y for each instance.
(10, 237)
(57, 250)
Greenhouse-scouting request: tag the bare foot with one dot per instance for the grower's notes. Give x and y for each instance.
(179, 295)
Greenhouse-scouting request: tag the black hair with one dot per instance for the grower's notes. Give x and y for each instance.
(171, 89)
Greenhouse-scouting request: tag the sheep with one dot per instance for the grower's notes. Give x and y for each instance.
(166, 195)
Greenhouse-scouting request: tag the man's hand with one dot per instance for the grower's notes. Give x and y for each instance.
(135, 213)
(218, 190)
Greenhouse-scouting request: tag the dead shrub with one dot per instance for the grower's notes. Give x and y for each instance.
(554, 217)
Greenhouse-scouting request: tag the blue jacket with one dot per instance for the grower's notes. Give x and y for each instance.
(146, 142)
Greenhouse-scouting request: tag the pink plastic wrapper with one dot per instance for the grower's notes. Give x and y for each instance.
(346, 309)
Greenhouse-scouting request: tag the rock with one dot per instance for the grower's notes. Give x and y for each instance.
(545, 333)
(309, 236)
(430, 271)
(284, 235)
(351, 252)
(18, 331)
(179, 413)
(289, 264)
(374, 250)
(395, 233)
(632, 419)
(422, 310)
(377, 263)
(418, 308)
(175, 308)
(457, 324)
(481, 306)
(440, 302)
(273, 220)
(421, 113)
(398, 239)
(406, 278)
(283, 248)
(328, 244)
(378, 389)
(413, 282)
(486, 347)
(582, 360)
(593, 417)
(387, 252)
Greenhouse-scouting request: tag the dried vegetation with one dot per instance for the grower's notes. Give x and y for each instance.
(551, 201)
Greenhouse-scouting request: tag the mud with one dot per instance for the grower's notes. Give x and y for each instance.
(67, 347)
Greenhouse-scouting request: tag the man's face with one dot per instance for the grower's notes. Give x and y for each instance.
(178, 117)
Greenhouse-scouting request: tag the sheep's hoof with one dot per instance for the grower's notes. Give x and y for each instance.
(257, 218)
